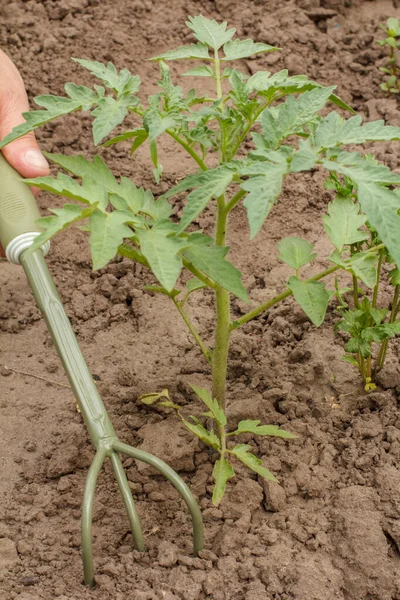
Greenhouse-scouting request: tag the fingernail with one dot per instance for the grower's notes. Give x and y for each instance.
(35, 158)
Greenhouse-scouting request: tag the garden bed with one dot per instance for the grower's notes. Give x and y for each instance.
(331, 530)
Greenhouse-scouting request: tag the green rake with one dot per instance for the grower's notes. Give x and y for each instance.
(18, 213)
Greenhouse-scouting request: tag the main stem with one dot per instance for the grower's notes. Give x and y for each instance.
(223, 317)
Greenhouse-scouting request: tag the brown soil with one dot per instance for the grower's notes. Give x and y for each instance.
(331, 531)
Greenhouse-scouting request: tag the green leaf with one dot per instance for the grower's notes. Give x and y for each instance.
(81, 167)
(157, 289)
(361, 169)
(139, 132)
(109, 114)
(350, 359)
(122, 82)
(90, 192)
(312, 297)
(263, 191)
(288, 118)
(303, 160)
(107, 232)
(236, 49)
(343, 221)
(82, 94)
(363, 265)
(222, 473)
(61, 219)
(208, 437)
(210, 32)
(381, 207)
(191, 51)
(34, 119)
(161, 251)
(333, 131)
(156, 124)
(295, 252)
(241, 451)
(210, 184)
(153, 397)
(394, 276)
(211, 261)
(211, 403)
(202, 71)
(250, 426)
(194, 284)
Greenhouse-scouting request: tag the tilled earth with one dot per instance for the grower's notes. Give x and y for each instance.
(332, 529)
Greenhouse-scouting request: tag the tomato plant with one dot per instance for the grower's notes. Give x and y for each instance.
(280, 114)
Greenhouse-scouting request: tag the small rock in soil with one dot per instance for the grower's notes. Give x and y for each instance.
(275, 496)
(167, 554)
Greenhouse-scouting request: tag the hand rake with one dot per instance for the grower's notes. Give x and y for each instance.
(18, 213)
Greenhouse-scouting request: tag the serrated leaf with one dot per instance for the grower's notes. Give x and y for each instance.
(81, 167)
(202, 71)
(161, 251)
(210, 32)
(59, 220)
(288, 118)
(222, 473)
(191, 51)
(312, 297)
(250, 426)
(153, 397)
(263, 191)
(127, 135)
(208, 437)
(107, 232)
(210, 184)
(333, 130)
(241, 451)
(58, 107)
(82, 94)
(156, 124)
(295, 252)
(211, 403)
(211, 261)
(90, 192)
(381, 207)
(363, 265)
(235, 49)
(122, 82)
(109, 114)
(361, 169)
(343, 222)
(303, 160)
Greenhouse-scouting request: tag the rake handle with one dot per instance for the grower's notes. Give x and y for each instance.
(18, 208)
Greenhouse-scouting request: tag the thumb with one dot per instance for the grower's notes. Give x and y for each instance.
(23, 154)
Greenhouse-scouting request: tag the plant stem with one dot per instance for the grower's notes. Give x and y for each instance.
(205, 350)
(218, 74)
(209, 282)
(188, 149)
(378, 276)
(285, 294)
(355, 291)
(380, 360)
(234, 201)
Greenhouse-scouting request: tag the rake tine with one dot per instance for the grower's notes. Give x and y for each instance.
(87, 515)
(130, 507)
(177, 482)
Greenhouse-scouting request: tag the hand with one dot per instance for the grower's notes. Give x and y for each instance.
(23, 154)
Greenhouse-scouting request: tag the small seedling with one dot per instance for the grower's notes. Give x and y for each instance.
(391, 68)
(280, 115)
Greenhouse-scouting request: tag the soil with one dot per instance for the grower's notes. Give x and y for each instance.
(331, 531)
